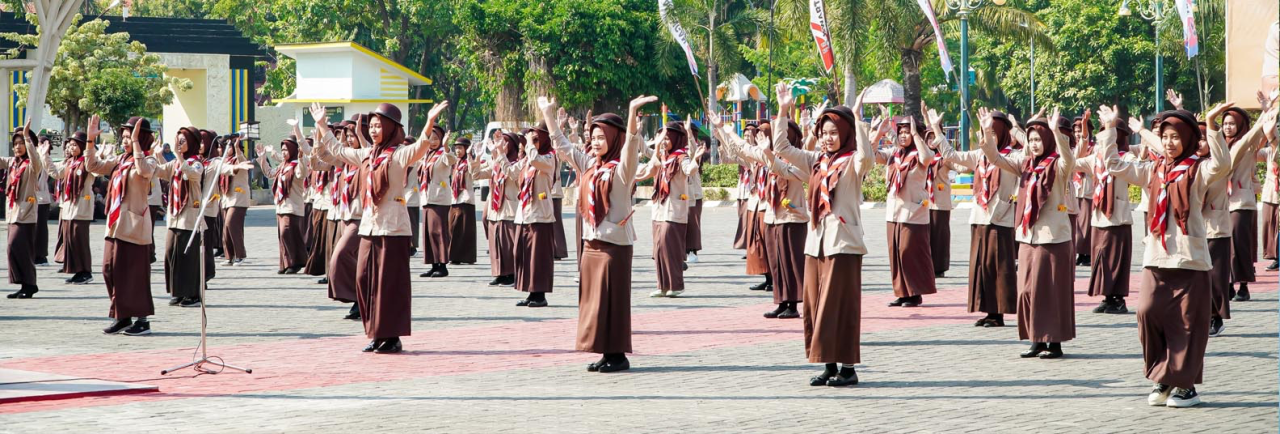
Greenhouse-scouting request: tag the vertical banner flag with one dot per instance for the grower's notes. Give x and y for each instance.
(927, 7)
(677, 33)
(821, 37)
(1190, 40)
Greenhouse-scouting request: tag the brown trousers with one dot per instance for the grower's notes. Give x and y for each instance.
(669, 254)
(909, 262)
(22, 260)
(1112, 256)
(1244, 245)
(993, 274)
(342, 263)
(435, 234)
(233, 233)
(1220, 277)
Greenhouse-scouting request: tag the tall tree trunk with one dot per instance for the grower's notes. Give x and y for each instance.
(850, 83)
(911, 83)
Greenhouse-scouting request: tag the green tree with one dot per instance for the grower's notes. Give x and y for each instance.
(96, 72)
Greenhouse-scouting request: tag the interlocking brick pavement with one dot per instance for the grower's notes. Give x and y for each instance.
(705, 362)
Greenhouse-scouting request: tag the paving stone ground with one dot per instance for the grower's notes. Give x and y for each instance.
(707, 362)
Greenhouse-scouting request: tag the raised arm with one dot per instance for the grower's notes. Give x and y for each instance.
(415, 152)
(988, 144)
(1066, 155)
(1221, 159)
(630, 157)
(565, 147)
(783, 148)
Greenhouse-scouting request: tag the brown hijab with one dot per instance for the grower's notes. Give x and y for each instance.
(845, 122)
(1038, 175)
(378, 160)
(671, 166)
(1242, 125)
(1179, 190)
(988, 175)
(594, 200)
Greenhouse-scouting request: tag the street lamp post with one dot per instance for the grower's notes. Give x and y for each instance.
(1024, 25)
(1155, 12)
(963, 8)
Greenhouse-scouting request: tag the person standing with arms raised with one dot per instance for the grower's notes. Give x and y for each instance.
(434, 178)
(24, 171)
(74, 194)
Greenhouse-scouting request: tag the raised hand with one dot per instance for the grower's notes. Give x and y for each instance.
(857, 103)
(435, 112)
(985, 119)
(573, 123)
(92, 133)
(261, 150)
(1108, 116)
(317, 113)
(1038, 115)
(547, 106)
(641, 101)
(1135, 125)
(1055, 117)
(561, 116)
(785, 99)
(1174, 98)
(1216, 114)
(806, 118)
(935, 118)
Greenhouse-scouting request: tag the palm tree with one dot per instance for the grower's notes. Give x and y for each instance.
(715, 29)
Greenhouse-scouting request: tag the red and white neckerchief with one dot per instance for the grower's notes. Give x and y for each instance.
(459, 177)
(66, 191)
(224, 181)
(931, 173)
(1030, 202)
(424, 172)
(1275, 177)
(762, 178)
(662, 189)
(345, 197)
(986, 169)
(1160, 221)
(15, 180)
(178, 186)
(828, 167)
(744, 178)
(281, 186)
(527, 180)
(602, 173)
(498, 192)
(907, 163)
(116, 190)
(377, 162)
(1103, 178)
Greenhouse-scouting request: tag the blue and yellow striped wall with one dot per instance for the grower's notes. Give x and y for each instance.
(17, 115)
(241, 98)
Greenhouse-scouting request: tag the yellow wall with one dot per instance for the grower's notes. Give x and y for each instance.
(1247, 25)
(189, 108)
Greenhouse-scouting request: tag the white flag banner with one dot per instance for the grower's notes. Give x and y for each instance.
(943, 56)
(821, 36)
(677, 33)
(1189, 38)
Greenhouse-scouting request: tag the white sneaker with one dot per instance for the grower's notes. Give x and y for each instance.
(658, 294)
(674, 294)
(1183, 398)
(1159, 395)
(692, 258)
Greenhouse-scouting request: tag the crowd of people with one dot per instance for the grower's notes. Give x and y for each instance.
(352, 198)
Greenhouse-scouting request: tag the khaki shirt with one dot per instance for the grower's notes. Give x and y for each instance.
(539, 208)
(439, 190)
(794, 206)
(209, 183)
(80, 205)
(1270, 188)
(295, 204)
(22, 208)
(676, 208)
(1052, 226)
(466, 195)
(134, 224)
(510, 188)
(192, 175)
(1000, 208)
(909, 205)
(1243, 195)
(617, 226)
(840, 232)
(1121, 208)
(237, 194)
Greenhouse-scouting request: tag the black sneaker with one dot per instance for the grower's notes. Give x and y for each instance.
(496, 281)
(175, 301)
(118, 326)
(1102, 306)
(760, 286)
(1118, 307)
(1159, 395)
(913, 301)
(190, 302)
(1215, 327)
(140, 328)
(323, 281)
(1242, 294)
(1275, 265)
(239, 260)
(1183, 398)
(81, 278)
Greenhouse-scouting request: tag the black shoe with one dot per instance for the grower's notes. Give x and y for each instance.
(981, 322)
(373, 345)
(1275, 265)
(118, 326)
(1183, 398)
(354, 313)
(1053, 352)
(40, 262)
(821, 379)
(442, 272)
(280, 271)
(789, 313)
(1242, 294)
(428, 274)
(1117, 307)
(538, 303)
(175, 301)
(898, 302)
(190, 302)
(684, 266)
(323, 281)
(939, 275)
(762, 286)
(389, 346)
(846, 377)
(509, 280)
(774, 313)
(1036, 349)
(292, 270)
(523, 303)
(1215, 327)
(496, 281)
(230, 263)
(913, 301)
(239, 260)
(1102, 306)
(81, 278)
(140, 328)
(413, 252)
(995, 322)
(615, 365)
(595, 366)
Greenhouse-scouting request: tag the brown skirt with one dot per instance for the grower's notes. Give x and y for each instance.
(693, 229)
(1244, 245)
(293, 253)
(22, 260)
(75, 255)
(1084, 224)
(757, 255)
(318, 247)
(1269, 222)
(577, 227)
(207, 237)
(940, 239)
(909, 265)
(435, 234)
(413, 223)
(993, 271)
(462, 233)
(786, 258)
(342, 263)
(213, 233)
(383, 286)
(502, 246)
(308, 217)
(740, 235)
(1173, 311)
(669, 254)
(1046, 293)
(42, 233)
(535, 267)
(233, 233)
(604, 298)
(561, 247)
(182, 265)
(1220, 277)
(128, 279)
(833, 308)
(57, 246)
(1112, 256)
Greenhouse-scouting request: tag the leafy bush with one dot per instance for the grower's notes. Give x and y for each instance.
(1135, 194)
(873, 186)
(715, 194)
(720, 175)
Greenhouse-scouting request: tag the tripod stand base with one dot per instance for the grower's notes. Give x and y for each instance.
(199, 365)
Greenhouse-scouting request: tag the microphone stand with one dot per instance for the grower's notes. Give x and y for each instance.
(198, 363)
